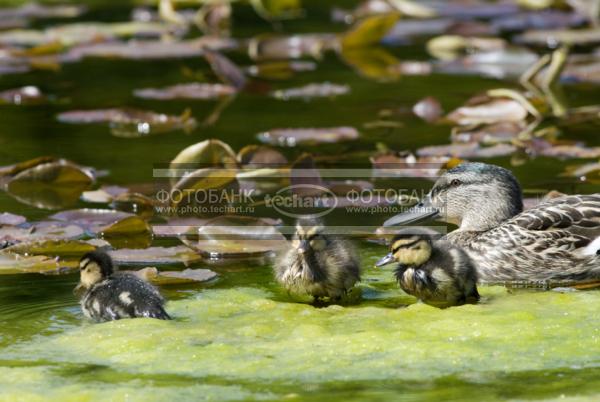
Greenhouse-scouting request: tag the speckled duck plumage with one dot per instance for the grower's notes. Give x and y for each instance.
(557, 240)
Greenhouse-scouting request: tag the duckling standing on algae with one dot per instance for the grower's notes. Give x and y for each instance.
(435, 272)
(318, 264)
(113, 295)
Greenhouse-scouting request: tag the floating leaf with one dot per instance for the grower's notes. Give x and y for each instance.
(198, 188)
(268, 47)
(155, 256)
(134, 203)
(236, 237)
(28, 95)
(449, 47)
(492, 111)
(429, 109)
(369, 31)
(294, 136)
(51, 185)
(257, 156)
(501, 132)
(73, 249)
(323, 90)
(407, 165)
(280, 70)
(225, 69)
(103, 195)
(6, 218)
(95, 220)
(175, 227)
(162, 278)
(15, 264)
(467, 150)
(186, 91)
(38, 11)
(538, 146)
(554, 38)
(211, 152)
(372, 62)
(131, 122)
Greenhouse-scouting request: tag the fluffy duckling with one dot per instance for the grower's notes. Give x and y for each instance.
(109, 295)
(436, 272)
(317, 264)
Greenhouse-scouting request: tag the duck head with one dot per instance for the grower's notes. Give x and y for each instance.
(309, 237)
(410, 247)
(475, 196)
(93, 268)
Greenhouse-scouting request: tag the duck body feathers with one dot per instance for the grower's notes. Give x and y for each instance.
(556, 240)
(123, 295)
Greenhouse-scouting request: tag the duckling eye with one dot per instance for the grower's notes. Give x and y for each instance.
(455, 182)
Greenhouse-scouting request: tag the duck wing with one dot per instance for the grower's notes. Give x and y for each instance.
(554, 241)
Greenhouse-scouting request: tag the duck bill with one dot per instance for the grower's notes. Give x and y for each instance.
(423, 210)
(385, 260)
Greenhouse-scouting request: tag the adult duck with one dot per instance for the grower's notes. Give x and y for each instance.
(557, 240)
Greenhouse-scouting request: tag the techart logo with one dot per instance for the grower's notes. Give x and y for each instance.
(300, 200)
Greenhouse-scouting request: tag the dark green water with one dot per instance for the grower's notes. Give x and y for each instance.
(242, 338)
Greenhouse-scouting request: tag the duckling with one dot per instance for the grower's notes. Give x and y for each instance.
(317, 264)
(435, 272)
(109, 295)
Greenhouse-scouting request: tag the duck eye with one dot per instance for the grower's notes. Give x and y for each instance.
(455, 182)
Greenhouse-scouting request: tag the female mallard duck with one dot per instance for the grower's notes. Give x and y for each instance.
(110, 295)
(557, 240)
(317, 264)
(435, 272)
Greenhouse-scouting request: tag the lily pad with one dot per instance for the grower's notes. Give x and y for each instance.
(493, 111)
(553, 38)
(202, 91)
(131, 122)
(104, 221)
(72, 249)
(467, 151)
(501, 132)
(187, 276)
(256, 157)
(450, 47)
(208, 153)
(408, 165)
(103, 195)
(6, 218)
(235, 237)
(369, 30)
(280, 70)
(322, 90)
(155, 256)
(269, 47)
(428, 109)
(15, 264)
(294, 136)
(51, 185)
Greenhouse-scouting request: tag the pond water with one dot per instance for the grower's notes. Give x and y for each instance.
(241, 337)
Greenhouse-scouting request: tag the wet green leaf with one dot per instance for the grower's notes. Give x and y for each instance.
(369, 31)
(187, 276)
(155, 256)
(14, 264)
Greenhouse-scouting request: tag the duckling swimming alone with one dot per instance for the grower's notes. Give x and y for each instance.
(317, 264)
(557, 240)
(435, 272)
(113, 295)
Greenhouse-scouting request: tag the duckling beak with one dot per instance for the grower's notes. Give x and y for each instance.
(385, 260)
(304, 247)
(423, 210)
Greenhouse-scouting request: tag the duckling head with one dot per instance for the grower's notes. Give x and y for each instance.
(410, 247)
(309, 237)
(475, 196)
(94, 267)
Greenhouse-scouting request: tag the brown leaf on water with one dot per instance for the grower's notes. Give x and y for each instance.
(164, 278)
(322, 90)
(155, 256)
(470, 150)
(428, 109)
(236, 237)
(131, 123)
(294, 136)
(269, 47)
(196, 90)
(488, 134)
(489, 111)
(226, 70)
